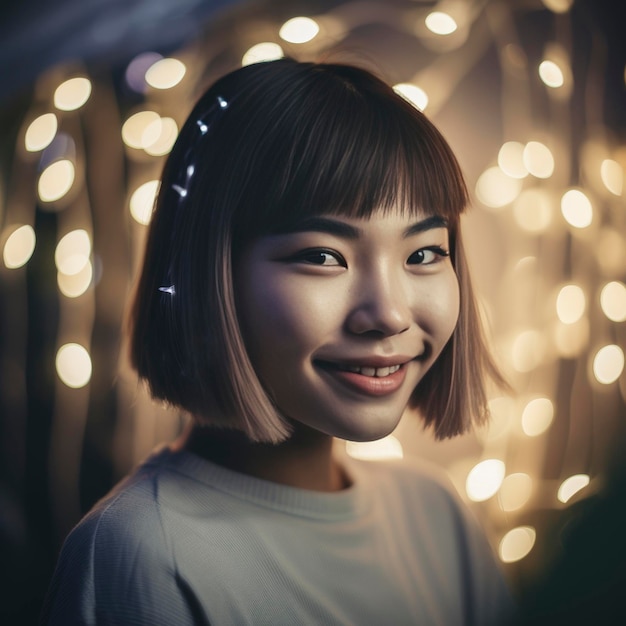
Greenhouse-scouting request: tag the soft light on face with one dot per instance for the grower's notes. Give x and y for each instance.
(342, 317)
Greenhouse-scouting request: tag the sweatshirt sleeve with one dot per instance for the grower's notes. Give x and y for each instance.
(116, 568)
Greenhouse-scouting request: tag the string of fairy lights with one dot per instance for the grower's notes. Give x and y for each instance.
(551, 315)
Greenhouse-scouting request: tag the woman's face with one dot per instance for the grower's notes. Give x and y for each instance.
(342, 317)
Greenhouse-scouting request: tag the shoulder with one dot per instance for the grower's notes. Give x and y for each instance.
(119, 557)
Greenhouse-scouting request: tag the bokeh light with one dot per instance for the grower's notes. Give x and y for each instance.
(159, 136)
(484, 479)
(165, 73)
(515, 491)
(40, 132)
(537, 416)
(72, 252)
(576, 208)
(440, 23)
(572, 486)
(613, 301)
(538, 159)
(75, 285)
(142, 202)
(136, 71)
(414, 94)
(570, 304)
(19, 246)
(299, 30)
(142, 129)
(56, 180)
(612, 176)
(558, 6)
(511, 159)
(73, 365)
(517, 543)
(551, 74)
(495, 189)
(388, 447)
(608, 364)
(72, 94)
(264, 51)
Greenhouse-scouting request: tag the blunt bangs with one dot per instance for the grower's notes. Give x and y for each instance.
(343, 142)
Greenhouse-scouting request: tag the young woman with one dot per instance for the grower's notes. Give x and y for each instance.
(304, 280)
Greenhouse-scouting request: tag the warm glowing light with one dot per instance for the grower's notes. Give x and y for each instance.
(56, 180)
(386, 448)
(72, 252)
(416, 96)
(576, 208)
(570, 304)
(538, 159)
(571, 486)
(613, 301)
(533, 210)
(558, 6)
(142, 129)
(41, 132)
(165, 73)
(517, 543)
(528, 350)
(515, 491)
(136, 71)
(551, 74)
(537, 416)
(73, 365)
(511, 159)
(265, 51)
(484, 479)
(612, 176)
(164, 131)
(299, 30)
(19, 247)
(74, 285)
(440, 23)
(495, 189)
(72, 94)
(142, 201)
(608, 364)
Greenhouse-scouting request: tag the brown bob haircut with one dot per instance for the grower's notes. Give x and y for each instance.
(266, 146)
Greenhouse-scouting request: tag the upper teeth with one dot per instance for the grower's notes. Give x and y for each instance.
(379, 372)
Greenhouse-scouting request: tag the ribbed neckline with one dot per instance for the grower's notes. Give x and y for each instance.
(346, 504)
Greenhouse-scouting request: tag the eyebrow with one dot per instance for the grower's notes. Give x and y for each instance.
(347, 231)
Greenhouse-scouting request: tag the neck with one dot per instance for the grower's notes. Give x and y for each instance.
(305, 460)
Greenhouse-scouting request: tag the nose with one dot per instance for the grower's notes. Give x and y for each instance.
(381, 307)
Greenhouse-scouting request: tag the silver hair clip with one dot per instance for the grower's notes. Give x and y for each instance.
(203, 124)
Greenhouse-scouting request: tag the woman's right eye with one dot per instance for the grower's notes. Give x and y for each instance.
(320, 257)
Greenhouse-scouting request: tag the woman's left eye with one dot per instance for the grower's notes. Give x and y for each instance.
(427, 256)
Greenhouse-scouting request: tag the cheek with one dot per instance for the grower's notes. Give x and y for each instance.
(283, 317)
(444, 308)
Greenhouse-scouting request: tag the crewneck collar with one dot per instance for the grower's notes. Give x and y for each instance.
(348, 503)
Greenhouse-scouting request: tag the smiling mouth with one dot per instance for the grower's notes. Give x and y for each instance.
(374, 372)
(366, 379)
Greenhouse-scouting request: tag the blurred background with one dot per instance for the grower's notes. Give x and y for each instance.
(531, 96)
